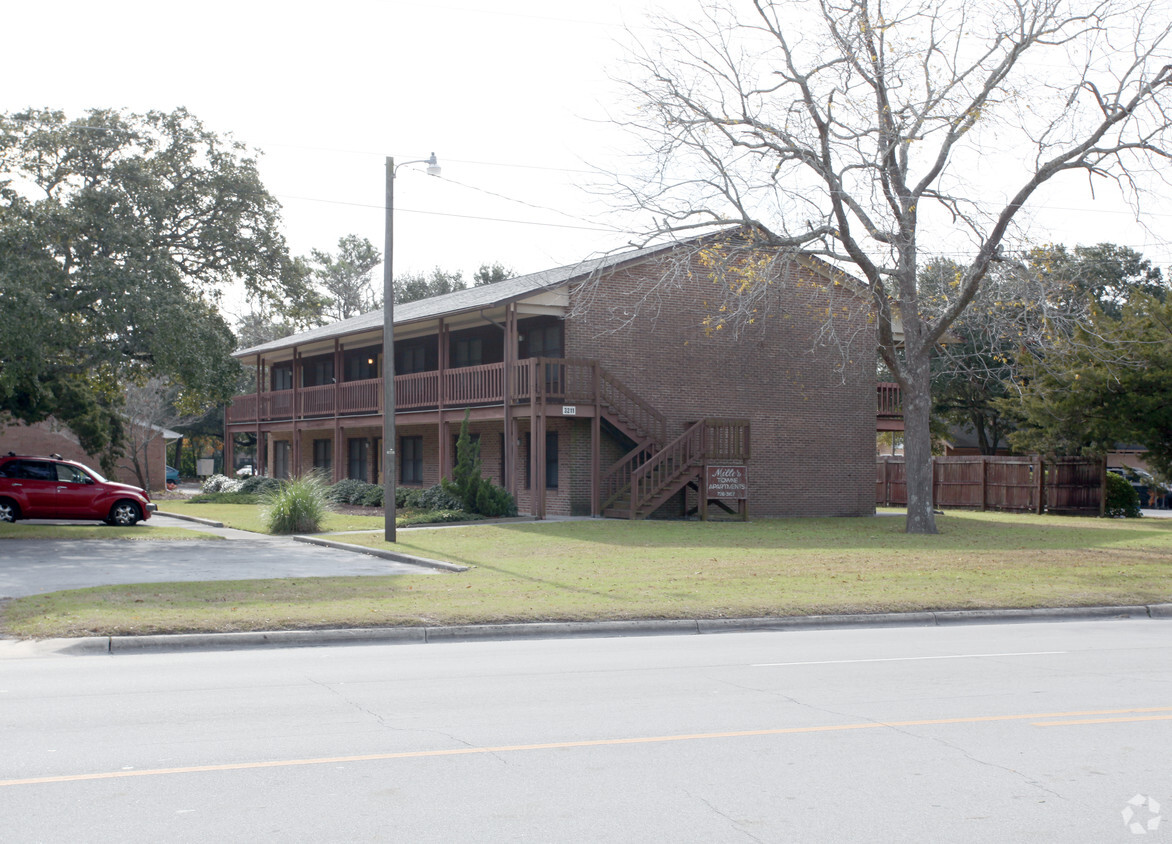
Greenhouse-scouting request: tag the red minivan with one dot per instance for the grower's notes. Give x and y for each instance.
(53, 488)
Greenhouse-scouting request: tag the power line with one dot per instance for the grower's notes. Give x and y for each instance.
(450, 214)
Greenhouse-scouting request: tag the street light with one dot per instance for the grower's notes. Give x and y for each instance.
(388, 461)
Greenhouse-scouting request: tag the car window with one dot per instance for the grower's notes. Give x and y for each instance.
(35, 470)
(11, 469)
(70, 474)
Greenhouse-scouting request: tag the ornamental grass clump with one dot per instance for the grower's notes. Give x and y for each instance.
(299, 506)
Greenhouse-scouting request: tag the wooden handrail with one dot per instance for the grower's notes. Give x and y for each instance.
(666, 465)
(624, 403)
(888, 399)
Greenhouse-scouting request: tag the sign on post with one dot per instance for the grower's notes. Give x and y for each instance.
(728, 482)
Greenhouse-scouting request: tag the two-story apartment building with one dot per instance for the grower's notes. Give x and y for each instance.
(601, 388)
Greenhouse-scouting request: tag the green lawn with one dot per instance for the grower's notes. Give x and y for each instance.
(623, 570)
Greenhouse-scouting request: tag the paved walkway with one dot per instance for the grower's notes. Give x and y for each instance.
(31, 567)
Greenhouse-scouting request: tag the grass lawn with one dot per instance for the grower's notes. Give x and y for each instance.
(143, 531)
(248, 516)
(623, 570)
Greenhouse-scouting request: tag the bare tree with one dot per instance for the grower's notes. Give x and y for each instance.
(149, 408)
(856, 131)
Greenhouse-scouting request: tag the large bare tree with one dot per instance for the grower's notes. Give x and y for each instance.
(878, 134)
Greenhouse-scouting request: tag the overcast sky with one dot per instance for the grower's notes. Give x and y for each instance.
(511, 95)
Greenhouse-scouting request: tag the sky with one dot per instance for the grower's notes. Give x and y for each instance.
(512, 96)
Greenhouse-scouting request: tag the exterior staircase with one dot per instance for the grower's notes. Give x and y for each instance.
(648, 476)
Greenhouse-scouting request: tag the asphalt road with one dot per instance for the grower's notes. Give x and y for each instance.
(31, 567)
(1026, 732)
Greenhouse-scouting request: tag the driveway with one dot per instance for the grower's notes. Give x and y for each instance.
(31, 567)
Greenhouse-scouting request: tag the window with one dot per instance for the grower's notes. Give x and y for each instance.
(504, 464)
(70, 474)
(282, 458)
(361, 364)
(468, 352)
(551, 460)
(411, 460)
(283, 377)
(358, 452)
(412, 358)
(545, 342)
(317, 372)
(323, 455)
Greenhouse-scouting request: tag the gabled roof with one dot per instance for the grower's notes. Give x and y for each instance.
(472, 299)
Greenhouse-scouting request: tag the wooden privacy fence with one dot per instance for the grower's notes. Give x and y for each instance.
(1023, 484)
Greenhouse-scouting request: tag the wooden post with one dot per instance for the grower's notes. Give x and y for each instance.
(258, 460)
(596, 442)
(984, 482)
(1040, 468)
(1103, 487)
(703, 485)
(295, 469)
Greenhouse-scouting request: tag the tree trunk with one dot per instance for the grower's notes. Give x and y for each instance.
(917, 447)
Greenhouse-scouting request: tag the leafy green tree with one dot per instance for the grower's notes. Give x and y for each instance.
(1024, 308)
(1108, 383)
(413, 287)
(476, 493)
(118, 234)
(491, 275)
(345, 278)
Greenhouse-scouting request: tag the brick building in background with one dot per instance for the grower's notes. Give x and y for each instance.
(602, 388)
(51, 437)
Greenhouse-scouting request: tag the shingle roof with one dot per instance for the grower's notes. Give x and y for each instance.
(474, 298)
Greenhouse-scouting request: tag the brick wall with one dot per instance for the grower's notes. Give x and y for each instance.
(810, 400)
(51, 437)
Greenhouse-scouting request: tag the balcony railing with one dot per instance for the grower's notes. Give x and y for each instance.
(554, 380)
(889, 403)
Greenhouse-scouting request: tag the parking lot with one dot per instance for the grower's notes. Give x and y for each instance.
(31, 567)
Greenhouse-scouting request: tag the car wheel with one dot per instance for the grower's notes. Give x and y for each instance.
(124, 514)
(9, 511)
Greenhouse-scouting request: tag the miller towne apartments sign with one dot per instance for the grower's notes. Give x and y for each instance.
(728, 482)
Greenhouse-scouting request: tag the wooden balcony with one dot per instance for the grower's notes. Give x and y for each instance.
(552, 380)
(888, 407)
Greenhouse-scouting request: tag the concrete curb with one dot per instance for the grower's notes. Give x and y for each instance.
(179, 642)
(187, 518)
(395, 556)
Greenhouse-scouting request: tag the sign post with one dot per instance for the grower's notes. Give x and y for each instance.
(726, 483)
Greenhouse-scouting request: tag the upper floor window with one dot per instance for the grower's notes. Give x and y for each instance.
(543, 341)
(283, 376)
(468, 352)
(361, 364)
(412, 357)
(317, 372)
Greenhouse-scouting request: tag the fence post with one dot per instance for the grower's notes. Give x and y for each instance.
(1041, 482)
(935, 483)
(1103, 488)
(984, 482)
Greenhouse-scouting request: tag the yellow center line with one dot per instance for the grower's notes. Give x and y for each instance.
(1102, 721)
(612, 742)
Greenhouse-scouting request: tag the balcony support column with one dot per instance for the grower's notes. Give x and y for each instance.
(596, 442)
(509, 458)
(258, 460)
(443, 459)
(295, 469)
